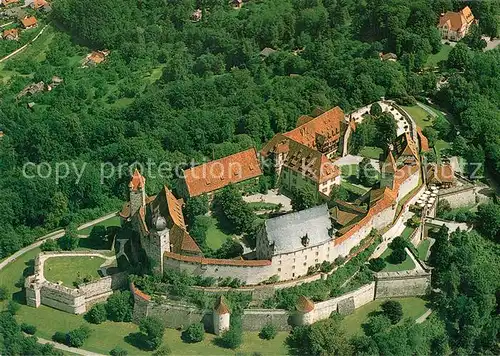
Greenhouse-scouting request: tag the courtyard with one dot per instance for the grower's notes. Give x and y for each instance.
(67, 270)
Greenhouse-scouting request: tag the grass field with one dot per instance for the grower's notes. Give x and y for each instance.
(422, 249)
(419, 115)
(439, 146)
(371, 152)
(407, 232)
(262, 206)
(352, 324)
(113, 221)
(67, 269)
(215, 236)
(406, 265)
(354, 188)
(442, 55)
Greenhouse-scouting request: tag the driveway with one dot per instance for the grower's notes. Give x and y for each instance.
(273, 197)
(351, 159)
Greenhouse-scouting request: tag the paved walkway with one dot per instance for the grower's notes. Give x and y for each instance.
(67, 348)
(351, 159)
(453, 226)
(273, 197)
(424, 316)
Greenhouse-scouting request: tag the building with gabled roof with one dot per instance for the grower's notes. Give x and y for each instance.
(11, 35)
(214, 175)
(29, 22)
(441, 175)
(455, 25)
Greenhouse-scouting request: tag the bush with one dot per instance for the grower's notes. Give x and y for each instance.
(268, 332)
(13, 307)
(118, 351)
(59, 337)
(76, 337)
(194, 333)
(49, 245)
(377, 264)
(376, 324)
(398, 243)
(28, 328)
(69, 241)
(397, 256)
(97, 314)
(4, 293)
(119, 306)
(393, 310)
(231, 339)
(153, 329)
(163, 351)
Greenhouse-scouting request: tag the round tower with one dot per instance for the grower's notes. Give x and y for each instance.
(221, 316)
(305, 311)
(137, 187)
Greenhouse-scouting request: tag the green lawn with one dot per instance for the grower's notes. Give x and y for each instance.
(354, 188)
(407, 232)
(439, 146)
(113, 221)
(215, 236)
(442, 55)
(349, 170)
(406, 265)
(371, 152)
(412, 308)
(419, 115)
(262, 206)
(67, 269)
(422, 249)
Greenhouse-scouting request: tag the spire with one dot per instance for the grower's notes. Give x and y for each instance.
(137, 181)
(221, 306)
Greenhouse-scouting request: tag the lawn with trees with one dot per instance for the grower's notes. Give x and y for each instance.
(72, 270)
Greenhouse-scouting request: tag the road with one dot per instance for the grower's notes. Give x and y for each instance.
(62, 347)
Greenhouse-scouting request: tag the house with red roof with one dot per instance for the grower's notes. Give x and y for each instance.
(29, 22)
(214, 175)
(455, 25)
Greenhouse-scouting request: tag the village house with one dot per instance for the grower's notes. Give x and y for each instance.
(266, 52)
(455, 25)
(29, 22)
(237, 4)
(196, 15)
(11, 35)
(212, 176)
(95, 58)
(8, 2)
(32, 89)
(388, 57)
(441, 175)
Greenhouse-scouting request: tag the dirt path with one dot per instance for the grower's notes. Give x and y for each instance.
(67, 348)
(23, 47)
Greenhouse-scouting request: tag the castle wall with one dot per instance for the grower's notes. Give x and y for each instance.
(408, 185)
(255, 319)
(402, 284)
(458, 197)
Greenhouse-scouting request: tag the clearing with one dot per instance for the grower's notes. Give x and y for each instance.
(406, 265)
(67, 269)
(215, 236)
(434, 59)
(412, 308)
(113, 221)
(371, 152)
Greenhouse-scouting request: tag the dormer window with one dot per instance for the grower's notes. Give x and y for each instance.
(305, 240)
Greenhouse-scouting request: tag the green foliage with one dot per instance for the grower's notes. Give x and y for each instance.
(70, 239)
(397, 256)
(59, 337)
(377, 264)
(399, 243)
(77, 337)
(303, 198)
(229, 204)
(393, 310)
(232, 338)
(28, 328)
(376, 324)
(459, 57)
(268, 332)
(386, 129)
(97, 314)
(4, 293)
(195, 207)
(119, 306)
(194, 333)
(98, 235)
(488, 220)
(368, 175)
(13, 307)
(118, 351)
(49, 245)
(431, 134)
(229, 249)
(164, 350)
(375, 110)
(153, 329)
(198, 230)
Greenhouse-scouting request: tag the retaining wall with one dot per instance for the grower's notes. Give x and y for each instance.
(402, 284)
(459, 196)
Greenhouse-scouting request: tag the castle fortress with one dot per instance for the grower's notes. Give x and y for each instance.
(286, 245)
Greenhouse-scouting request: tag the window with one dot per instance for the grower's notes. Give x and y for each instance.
(293, 267)
(327, 257)
(305, 257)
(305, 263)
(316, 260)
(279, 262)
(293, 275)
(294, 260)
(279, 269)
(317, 253)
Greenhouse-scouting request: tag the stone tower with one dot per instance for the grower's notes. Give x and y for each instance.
(137, 188)
(388, 171)
(221, 316)
(305, 311)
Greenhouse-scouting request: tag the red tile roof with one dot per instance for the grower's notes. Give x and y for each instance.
(424, 143)
(440, 173)
(327, 124)
(13, 32)
(217, 174)
(304, 305)
(137, 181)
(221, 306)
(456, 20)
(28, 21)
(136, 291)
(215, 261)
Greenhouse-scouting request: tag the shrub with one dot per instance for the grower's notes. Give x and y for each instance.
(375, 109)
(398, 243)
(377, 264)
(119, 306)
(393, 310)
(13, 307)
(59, 337)
(194, 333)
(163, 351)
(376, 324)
(76, 337)
(231, 339)
(97, 314)
(49, 245)
(28, 328)
(397, 256)
(153, 329)
(118, 351)
(268, 332)
(326, 267)
(70, 240)
(4, 293)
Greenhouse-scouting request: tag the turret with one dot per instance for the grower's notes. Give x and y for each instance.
(305, 311)
(221, 316)
(137, 187)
